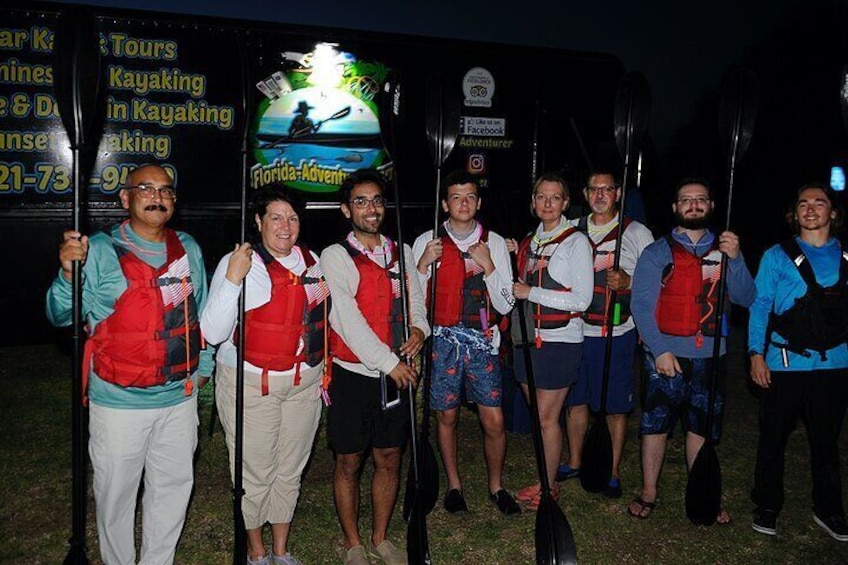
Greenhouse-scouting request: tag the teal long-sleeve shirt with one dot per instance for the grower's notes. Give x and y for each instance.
(103, 283)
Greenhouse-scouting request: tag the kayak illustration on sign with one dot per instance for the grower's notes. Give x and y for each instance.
(318, 121)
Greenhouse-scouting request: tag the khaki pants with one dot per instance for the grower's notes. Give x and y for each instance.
(279, 431)
(122, 444)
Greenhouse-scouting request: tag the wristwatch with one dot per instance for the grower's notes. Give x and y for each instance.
(752, 352)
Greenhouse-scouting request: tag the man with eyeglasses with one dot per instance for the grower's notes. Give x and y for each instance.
(370, 362)
(602, 225)
(674, 301)
(143, 286)
(473, 284)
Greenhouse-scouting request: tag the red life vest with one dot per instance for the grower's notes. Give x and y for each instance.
(688, 298)
(604, 256)
(533, 267)
(152, 337)
(273, 332)
(460, 294)
(379, 300)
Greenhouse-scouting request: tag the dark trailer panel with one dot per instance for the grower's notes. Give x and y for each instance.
(173, 95)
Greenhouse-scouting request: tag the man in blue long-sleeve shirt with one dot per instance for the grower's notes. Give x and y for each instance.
(674, 298)
(802, 363)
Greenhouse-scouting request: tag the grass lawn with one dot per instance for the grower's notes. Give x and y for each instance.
(35, 492)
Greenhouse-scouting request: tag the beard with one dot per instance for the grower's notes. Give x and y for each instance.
(699, 223)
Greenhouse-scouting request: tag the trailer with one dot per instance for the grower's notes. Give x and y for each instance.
(186, 91)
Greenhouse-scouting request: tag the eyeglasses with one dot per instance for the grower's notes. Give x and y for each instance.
(148, 190)
(700, 200)
(362, 203)
(605, 189)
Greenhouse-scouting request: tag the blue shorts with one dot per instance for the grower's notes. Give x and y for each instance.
(684, 396)
(555, 365)
(458, 357)
(621, 393)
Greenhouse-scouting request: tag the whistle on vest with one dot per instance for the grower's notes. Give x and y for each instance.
(538, 341)
(325, 381)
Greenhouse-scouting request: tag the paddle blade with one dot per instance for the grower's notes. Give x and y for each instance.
(554, 537)
(738, 111)
(428, 490)
(596, 469)
(703, 491)
(441, 113)
(389, 102)
(76, 75)
(632, 112)
(417, 542)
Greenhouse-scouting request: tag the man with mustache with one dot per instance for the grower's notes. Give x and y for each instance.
(602, 225)
(674, 298)
(370, 362)
(143, 285)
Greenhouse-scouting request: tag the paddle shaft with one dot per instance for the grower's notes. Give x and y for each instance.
(239, 533)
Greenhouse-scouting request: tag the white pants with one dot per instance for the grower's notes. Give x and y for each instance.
(122, 444)
(279, 430)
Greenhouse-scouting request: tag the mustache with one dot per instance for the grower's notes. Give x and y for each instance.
(155, 208)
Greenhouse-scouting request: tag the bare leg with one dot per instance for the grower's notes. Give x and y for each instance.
(255, 547)
(384, 489)
(653, 452)
(494, 444)
(447, 420)
(576, 424)
(280, 533)
(618, 433)
(550, 407)
(346, 477)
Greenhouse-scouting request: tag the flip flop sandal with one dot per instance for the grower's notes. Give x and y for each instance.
(643, 507)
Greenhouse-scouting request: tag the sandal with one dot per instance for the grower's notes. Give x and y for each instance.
(645, 508)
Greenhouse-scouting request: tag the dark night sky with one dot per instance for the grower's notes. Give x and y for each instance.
(682, 47)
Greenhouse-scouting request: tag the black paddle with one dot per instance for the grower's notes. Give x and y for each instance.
(77, 88)
(441, 114)
(737, 113)
(239, 532)
(632, 110)
(554, 538)
(417, 543)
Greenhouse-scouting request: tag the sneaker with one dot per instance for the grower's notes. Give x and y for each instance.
(528, 493)
(264, 560)
(765, 522)
(565, 472)
(356, 556)
(835, 526)
(505, 503)
(454, 502)
(389, 554)
(287, 559)
(613, 488)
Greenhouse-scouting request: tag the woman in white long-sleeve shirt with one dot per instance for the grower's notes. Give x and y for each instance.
(555, 279)
(285, 318)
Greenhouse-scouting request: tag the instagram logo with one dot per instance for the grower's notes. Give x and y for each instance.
(476, 164)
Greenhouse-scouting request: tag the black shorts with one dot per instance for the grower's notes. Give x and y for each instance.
(355, 419)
